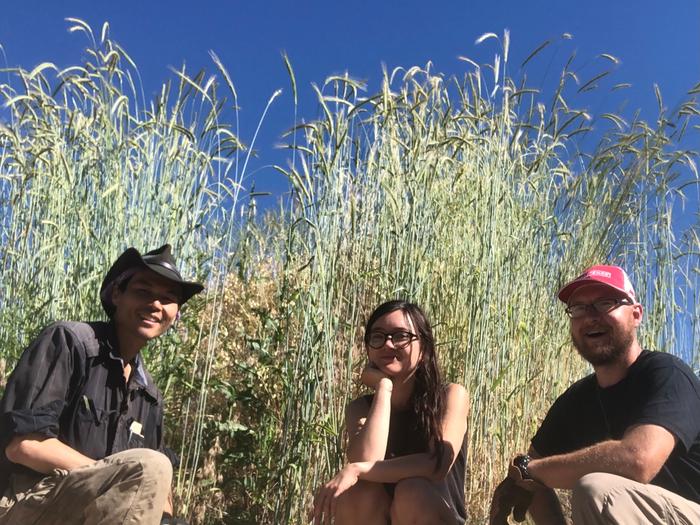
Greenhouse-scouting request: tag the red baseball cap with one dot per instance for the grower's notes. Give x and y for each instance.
(612, 276)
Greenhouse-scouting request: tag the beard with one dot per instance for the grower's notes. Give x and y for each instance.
(599, 353)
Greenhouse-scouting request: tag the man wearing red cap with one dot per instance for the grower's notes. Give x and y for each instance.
(81, 428)
(625, 439)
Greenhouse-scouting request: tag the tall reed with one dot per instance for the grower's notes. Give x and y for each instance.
(474, 196)
(88, 168)
(470, 196)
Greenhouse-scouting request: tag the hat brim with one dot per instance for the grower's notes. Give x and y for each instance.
(131, 258)
(565, 293)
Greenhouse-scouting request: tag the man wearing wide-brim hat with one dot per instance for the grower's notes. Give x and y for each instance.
(81, 434)
(625, 439)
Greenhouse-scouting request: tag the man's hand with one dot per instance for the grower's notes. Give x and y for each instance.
(373, 377)
(513, 495)
(509, 497)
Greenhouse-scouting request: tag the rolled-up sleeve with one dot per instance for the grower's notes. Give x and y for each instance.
(36, 390)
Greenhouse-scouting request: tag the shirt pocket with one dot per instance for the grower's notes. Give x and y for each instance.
(90, 430)
(88, 414)
(135, 435)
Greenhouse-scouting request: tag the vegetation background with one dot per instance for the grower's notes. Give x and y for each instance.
(475, 196)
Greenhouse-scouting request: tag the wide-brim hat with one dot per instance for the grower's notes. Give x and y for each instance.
(160, 261)
(611, 276)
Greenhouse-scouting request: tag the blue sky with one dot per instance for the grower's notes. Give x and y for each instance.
(657, 42)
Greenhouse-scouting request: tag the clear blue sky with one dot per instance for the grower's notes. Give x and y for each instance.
(655, 41)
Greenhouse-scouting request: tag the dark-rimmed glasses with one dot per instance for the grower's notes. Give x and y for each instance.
(602, 306)
(399, 339)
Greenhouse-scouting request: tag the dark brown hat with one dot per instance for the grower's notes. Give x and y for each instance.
(160, 261)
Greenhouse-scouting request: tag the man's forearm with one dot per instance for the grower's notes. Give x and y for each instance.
(564, 470)
(44, 454)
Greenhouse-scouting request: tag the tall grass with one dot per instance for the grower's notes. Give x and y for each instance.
(88, 168)
(471, 197)
(474, 196)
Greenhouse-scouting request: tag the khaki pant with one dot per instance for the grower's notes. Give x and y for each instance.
(610, 500)
(130, 487)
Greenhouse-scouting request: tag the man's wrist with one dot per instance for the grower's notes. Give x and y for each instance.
(522, 463)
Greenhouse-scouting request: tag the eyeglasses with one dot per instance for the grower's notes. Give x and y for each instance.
(602, 306)
(400, 339)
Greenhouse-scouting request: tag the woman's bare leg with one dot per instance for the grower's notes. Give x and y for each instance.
(417, 501)
(367, 503)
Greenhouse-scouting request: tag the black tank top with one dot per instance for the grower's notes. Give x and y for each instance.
(405, 439)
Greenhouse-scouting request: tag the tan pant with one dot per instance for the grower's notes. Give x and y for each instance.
(607, 499)
(130, 487)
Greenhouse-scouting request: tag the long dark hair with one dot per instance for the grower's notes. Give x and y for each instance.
(428, 396)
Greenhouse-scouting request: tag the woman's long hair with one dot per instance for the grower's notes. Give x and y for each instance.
(428, 393)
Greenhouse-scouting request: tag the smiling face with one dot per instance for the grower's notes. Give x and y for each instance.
(147, 307)
(393, 361)
(604, 338)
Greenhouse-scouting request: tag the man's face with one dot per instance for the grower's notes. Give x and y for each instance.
(603, 338)
(147, 307)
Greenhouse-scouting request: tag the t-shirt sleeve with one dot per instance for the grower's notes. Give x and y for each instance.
(36, 390)
(672, 400)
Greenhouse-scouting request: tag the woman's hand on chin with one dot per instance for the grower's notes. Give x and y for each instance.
(374, 378)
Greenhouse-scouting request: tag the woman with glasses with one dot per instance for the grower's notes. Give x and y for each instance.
(406, 447)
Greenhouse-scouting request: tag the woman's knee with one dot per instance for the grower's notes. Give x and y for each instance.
(363, 499)
(416, 500)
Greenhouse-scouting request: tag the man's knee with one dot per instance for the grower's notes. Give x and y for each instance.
(152, 465)
(158, 466)
(592, 494)
(594, 486)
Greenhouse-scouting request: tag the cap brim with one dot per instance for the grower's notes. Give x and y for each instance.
(565, 293)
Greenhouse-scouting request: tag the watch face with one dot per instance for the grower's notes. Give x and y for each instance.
(522, 462)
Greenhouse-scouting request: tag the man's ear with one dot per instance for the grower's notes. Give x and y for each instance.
(638, 314)
(116, 295)
(175, 319)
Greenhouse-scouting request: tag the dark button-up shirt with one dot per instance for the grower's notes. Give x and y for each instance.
(69, 384)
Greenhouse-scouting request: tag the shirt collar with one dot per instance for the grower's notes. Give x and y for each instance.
(136, 368)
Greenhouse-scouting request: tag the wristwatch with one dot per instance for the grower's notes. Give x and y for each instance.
(521, 462)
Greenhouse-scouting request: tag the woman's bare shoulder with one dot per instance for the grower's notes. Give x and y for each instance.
(456, 393)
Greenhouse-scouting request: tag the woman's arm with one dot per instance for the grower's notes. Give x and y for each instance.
(454, 428)
(368, 429)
